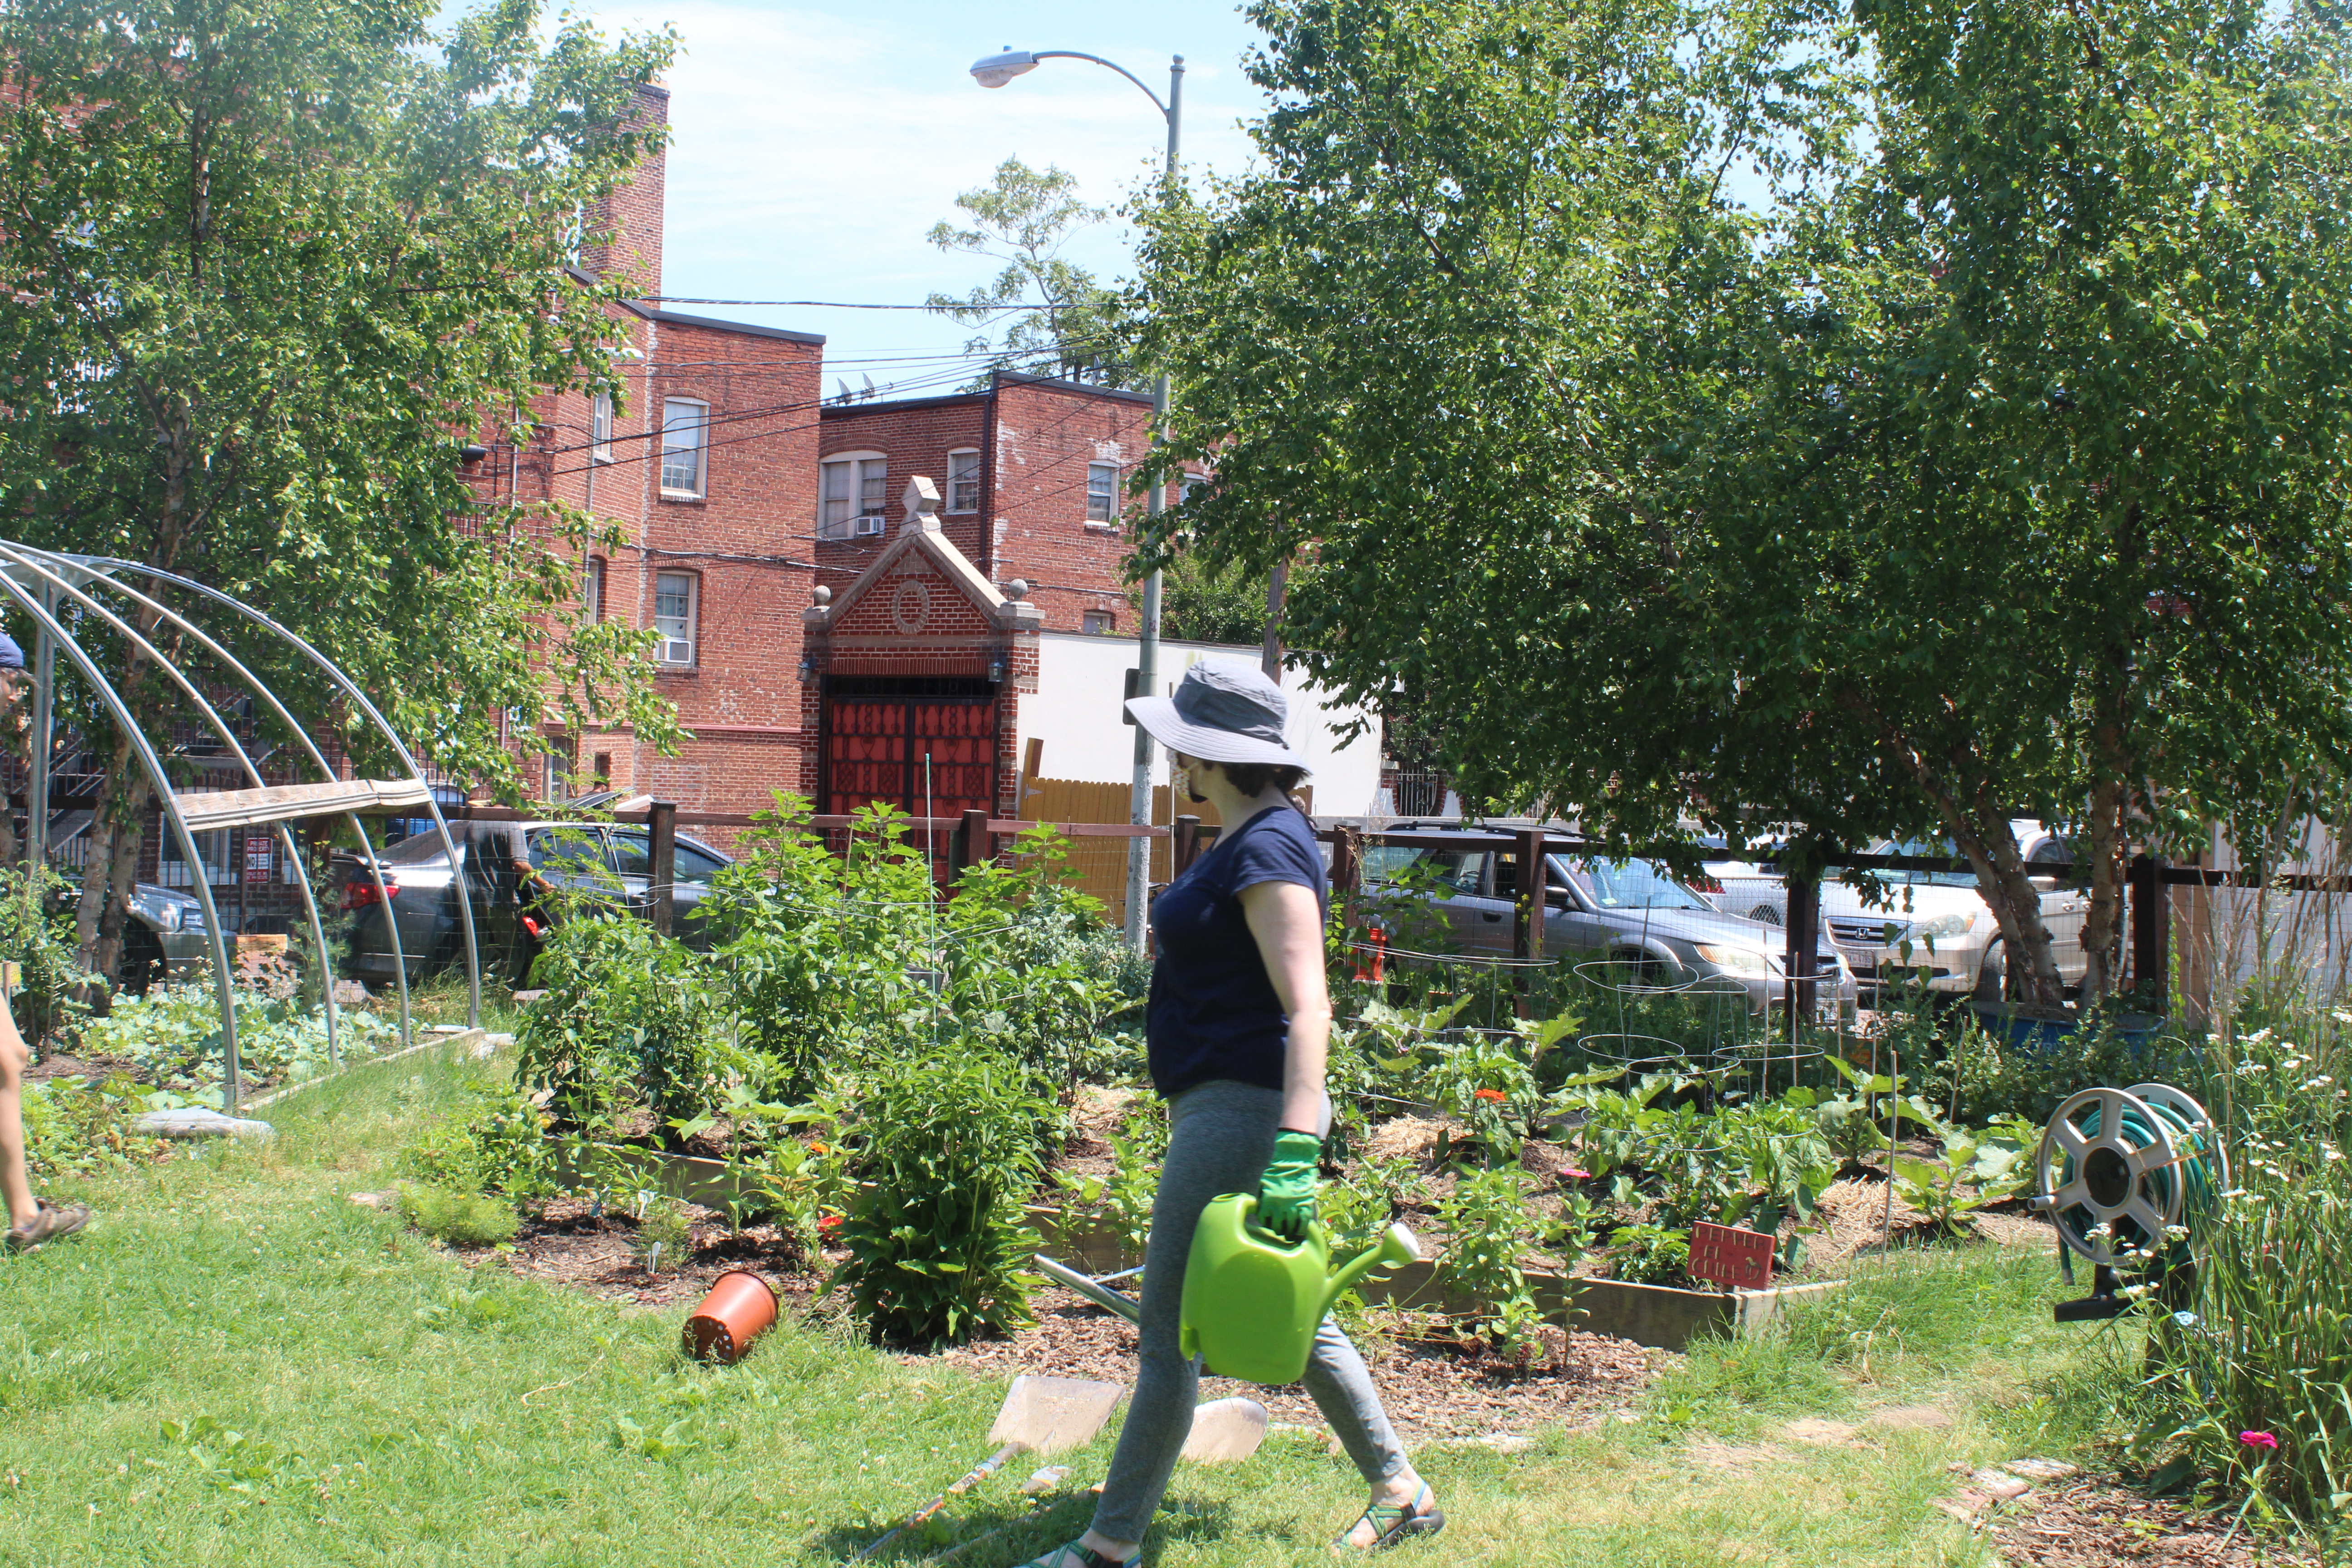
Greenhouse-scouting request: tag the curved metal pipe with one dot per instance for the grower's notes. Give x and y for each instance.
(156, 776)
(343, 683)
(286, 835)
(19, 557)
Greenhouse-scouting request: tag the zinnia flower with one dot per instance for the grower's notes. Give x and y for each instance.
(1492, 1096)
(828, 1224)
(2258, 1441)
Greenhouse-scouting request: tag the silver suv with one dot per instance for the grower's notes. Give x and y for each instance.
(1631, 912)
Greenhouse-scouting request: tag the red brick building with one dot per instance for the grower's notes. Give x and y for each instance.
(817, 630)
(1033, 475)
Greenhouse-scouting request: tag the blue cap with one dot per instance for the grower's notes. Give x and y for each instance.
(11, 655)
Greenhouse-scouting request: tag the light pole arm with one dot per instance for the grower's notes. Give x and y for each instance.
(1081, 55)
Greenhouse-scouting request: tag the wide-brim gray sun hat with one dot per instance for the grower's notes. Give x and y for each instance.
(1223, 712)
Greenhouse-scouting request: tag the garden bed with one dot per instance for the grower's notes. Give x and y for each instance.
(2096, 1523)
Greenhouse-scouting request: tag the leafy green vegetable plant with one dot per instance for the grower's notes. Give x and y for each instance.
(1974, 1169)
(1489, 1227)
(952, 1145)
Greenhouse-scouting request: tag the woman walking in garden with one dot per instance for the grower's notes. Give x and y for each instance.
(1237, 1028)
(31, 1220)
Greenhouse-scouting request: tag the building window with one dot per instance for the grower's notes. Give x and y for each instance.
(604, 779)
(1187, 486)
(853, 490)
(963, 481)
(1101, 622)
(683, 462)
(600, 427)
(592, 589)
(559, 777)
(1102, 492)
(676, 605)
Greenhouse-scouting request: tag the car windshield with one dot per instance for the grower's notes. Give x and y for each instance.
(1633, 885)
(1924, 878)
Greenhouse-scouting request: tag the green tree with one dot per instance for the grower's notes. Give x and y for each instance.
(1200, 603)
(1043, 314)
(272, 263)
(1998, 465)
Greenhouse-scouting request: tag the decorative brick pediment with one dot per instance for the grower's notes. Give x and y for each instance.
(920, 585)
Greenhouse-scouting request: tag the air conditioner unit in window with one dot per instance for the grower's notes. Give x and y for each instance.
(677, 651)
(866, 526)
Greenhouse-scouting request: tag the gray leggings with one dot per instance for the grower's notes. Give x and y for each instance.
(1220, 1136)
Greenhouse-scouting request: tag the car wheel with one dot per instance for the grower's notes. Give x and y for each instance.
(143, 958)
(1993, 974)
(1639, 968)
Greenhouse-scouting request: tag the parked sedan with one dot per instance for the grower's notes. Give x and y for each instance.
(1937, 927)
(1631, 912)
(605, 861)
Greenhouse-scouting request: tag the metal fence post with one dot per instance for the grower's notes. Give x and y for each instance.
(1185, 847)
(661, 843)
(2151, 932)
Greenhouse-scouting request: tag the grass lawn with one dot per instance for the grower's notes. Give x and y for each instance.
(387, 1404)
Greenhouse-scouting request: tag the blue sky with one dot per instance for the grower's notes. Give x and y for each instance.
(816, 143)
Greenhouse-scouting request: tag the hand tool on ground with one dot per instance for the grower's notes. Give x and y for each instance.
(1044, 1416)
(1225, 1431)
(1222, 1429)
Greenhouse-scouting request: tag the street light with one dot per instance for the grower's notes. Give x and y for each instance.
(995, 72)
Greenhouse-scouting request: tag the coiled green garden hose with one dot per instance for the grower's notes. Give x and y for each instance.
(2126, 1174)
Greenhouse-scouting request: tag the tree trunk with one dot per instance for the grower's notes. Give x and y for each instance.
(2104, 842)
(1985, 836)
(112, 867)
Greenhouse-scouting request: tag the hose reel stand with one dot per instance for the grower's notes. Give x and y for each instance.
(2122, 1172)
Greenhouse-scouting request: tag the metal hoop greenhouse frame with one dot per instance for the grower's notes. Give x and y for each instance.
(41, 583)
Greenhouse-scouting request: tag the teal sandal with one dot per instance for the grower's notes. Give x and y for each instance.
(1393, 1523)
(1076, 1556)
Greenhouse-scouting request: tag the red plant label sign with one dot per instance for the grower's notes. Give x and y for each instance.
(1728, 1255)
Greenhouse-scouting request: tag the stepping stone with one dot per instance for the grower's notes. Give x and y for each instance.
(2042, 1470)
(1813, 1429)
(1994, 1483)
(1912, 1417)
(199, 1121)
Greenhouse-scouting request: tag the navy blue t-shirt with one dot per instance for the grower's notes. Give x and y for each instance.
(1214, 1013)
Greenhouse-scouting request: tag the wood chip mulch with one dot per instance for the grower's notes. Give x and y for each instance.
(2092, 1523)
(574, 1244)
(1431, 1390)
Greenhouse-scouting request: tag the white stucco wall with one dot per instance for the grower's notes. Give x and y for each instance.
(1082, 676)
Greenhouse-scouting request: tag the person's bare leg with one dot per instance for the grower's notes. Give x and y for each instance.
(15, 1186)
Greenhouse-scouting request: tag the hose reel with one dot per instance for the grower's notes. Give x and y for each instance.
(2124, 1172)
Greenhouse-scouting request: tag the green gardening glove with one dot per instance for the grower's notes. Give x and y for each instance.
(1285, 1193)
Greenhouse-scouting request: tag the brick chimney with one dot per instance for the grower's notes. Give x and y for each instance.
(624, 230)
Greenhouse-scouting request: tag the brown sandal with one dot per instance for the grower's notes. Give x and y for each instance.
(49, 1223)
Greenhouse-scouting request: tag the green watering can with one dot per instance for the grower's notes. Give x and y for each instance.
(1252, 1300)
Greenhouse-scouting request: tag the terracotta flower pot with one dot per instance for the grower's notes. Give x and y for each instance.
(738, 1309)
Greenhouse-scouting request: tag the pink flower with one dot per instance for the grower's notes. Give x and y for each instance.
(1575, 1174)
(2258, 1441)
